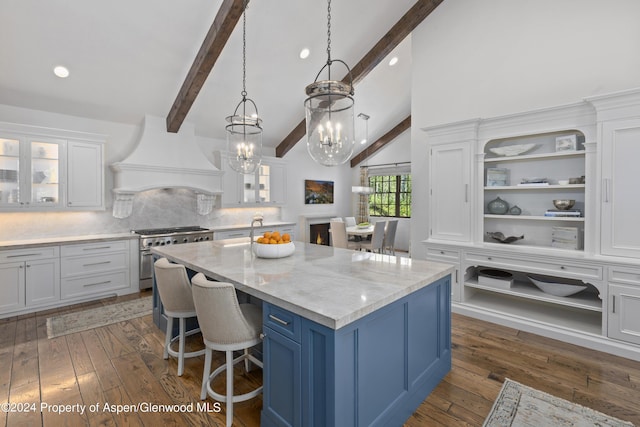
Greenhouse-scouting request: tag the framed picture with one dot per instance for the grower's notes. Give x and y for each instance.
(318, 192)
(497, 177)
(566, 143)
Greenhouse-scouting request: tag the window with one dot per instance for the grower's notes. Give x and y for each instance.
(391, 196)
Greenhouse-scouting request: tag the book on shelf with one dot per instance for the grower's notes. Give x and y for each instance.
(563, 213)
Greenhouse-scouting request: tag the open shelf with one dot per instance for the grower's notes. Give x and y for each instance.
(554, 315)
(536, 217)
(525, 157)
(583, 300)
(535, 187)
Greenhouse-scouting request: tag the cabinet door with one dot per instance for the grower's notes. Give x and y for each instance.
(450, 170)
(11, 286)
(231, 181)
(281, 402)
(85, 174)
(624, 313)
(278, 184)
(620, 234)
(42, 280)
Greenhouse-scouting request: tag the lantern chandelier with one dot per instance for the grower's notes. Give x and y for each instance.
(244, 131)
(329, 113)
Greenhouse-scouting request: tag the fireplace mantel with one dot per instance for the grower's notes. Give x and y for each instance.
(306, 221)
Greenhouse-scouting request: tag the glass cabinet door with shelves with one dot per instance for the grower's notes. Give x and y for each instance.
(45, 172)
(9, 171)
(526, 181)
(29, 172)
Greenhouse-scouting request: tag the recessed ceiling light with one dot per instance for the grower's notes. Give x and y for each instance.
(393, 61)
(61, 71)
(304, 53)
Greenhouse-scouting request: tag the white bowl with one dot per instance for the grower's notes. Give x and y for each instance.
(563, 181)
(512, 150)
(557, 289)
(273, 251)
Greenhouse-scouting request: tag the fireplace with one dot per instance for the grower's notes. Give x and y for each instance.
(319, 234)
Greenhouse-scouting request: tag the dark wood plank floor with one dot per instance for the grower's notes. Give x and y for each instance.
(122, 364)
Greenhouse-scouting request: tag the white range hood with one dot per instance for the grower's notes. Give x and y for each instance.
(165, 160)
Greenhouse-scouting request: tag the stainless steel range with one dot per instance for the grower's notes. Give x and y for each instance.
(161, 237)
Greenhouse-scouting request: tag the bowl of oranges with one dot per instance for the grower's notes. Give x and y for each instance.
(272, 244)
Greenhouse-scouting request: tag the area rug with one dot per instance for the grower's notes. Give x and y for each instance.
(96, 317)
(520, 406)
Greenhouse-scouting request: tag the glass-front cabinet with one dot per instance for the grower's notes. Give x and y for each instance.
(30, 172)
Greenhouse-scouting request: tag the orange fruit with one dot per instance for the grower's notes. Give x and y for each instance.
(267, 234)
(286, 237)
(275, 235)
(273, 241)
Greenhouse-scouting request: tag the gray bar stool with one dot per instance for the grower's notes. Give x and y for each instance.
(226, 326)
(174, 288)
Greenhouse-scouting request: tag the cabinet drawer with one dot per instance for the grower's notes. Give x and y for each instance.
(437, 254)
(628, 275)
(95, 284)
(231, 234)
(30, 254)
(82, 265)
(282, 321)
(565, 269)
(94, 248)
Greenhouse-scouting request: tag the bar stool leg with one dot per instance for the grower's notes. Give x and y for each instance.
(181, 346)
(229, 388)
(167, 339)
(208, 355)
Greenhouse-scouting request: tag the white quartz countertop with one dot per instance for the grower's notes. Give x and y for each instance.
(50, 241)
(330, 286)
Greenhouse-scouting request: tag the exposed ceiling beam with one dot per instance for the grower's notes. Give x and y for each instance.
(385, 45)
(228, 15)
(381, 142)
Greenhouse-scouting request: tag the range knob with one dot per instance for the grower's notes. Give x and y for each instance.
(175, 241)
(162, 243)
(206, 237)
(185, 240)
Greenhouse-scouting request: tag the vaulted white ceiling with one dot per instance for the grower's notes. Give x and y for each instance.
(129, 58)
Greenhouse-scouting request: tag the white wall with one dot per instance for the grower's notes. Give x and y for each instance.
(494, 57)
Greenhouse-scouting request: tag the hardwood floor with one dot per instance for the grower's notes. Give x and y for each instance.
(122, 364)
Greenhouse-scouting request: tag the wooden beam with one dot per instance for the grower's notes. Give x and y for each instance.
(228, 15)
(382, 142)
(409, 21)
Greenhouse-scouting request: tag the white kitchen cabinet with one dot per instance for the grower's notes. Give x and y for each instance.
(267, 186)
(96, 268)
(620, 234)
(49, 170)
(450, 197)
(30, 171)
(85, 175)
(624, 303)
(29, 278)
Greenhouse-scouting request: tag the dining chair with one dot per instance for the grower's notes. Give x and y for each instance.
(174, 289)
(226, 326)
(377, 238)
(390, 236)
(350, 221)
(339, 236)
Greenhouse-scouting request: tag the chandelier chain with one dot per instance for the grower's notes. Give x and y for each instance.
(329, 31)
(244, 49)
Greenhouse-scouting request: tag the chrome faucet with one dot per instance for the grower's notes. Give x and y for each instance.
(256, 219)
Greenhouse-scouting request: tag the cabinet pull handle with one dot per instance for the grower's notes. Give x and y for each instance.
(562, 267)
(466, 193)
(23, 255)
(441, 252)
(276, 319)
(489, 258)
(263, 336)
(96, 284)
(96, 263)
(97, 248)
(605, 189)
(613, 298)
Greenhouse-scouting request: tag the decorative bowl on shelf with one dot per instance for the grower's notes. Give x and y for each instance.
(496, 235)
(556, 288)
(512, 150)
(498, 206)
(278, 250)
(563, 204)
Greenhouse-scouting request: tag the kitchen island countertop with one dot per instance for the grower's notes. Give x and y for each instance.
(331, 286)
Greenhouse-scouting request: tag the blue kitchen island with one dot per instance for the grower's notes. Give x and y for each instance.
(350, 338)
